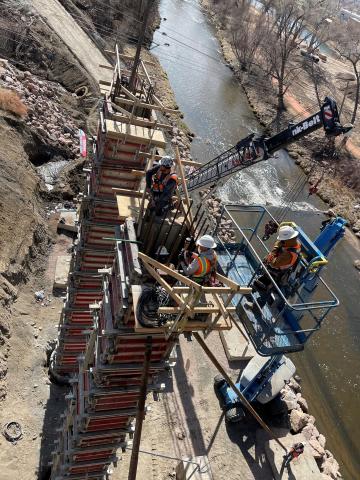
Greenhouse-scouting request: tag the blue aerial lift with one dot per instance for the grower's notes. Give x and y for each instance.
(294, 309)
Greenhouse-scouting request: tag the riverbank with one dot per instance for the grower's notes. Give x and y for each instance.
(333, 174)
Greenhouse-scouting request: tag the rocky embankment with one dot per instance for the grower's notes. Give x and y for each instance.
(50, 123)
(53, 118)
(300, 421)
(38, 127)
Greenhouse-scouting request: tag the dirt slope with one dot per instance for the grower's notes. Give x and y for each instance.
(74, 37)
(19, 197)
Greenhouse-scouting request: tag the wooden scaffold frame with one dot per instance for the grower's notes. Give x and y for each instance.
(189, 295)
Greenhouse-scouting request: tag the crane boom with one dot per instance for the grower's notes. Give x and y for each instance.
(251, 149)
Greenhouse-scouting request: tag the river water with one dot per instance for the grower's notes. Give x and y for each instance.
(216, 110)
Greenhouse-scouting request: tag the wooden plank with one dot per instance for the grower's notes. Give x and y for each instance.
(128, 193)
(149, 164)
(184, 186)
(186, 163)
(134, 133)
(127, 205)
(125, 118)
(125, 113)
(220, 304)
(128, 93)
(149, 106)
(233, 285)
(204, 289)
(106, 67)
(146, 73)
(166, 286)
(191, 326)
(158, 102)
(169, 271)
(138, 173)
(129, 57)
(191, 163)
(194, 310)
(117, 61)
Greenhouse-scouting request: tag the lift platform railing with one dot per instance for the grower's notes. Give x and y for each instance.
(279, 329)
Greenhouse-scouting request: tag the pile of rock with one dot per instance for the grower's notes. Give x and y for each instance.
(182, 140)
(46, 116)
(224, 227)
(301, 421)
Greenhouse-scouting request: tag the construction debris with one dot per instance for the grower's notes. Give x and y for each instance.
(12, 431)
(62, 271)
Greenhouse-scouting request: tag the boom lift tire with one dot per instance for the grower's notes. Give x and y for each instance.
(234, 414)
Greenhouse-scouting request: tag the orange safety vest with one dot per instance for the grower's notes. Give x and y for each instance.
(205, 267)
(158, 183)
(294, 255)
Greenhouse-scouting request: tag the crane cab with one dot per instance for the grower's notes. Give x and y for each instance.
(295, 306)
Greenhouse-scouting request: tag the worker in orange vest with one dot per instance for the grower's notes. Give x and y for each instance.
(200, 266)
(285, 252)
(161, 183)
(282, 259)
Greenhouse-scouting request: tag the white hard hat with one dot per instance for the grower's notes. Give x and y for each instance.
(286, 232)
(206, 241)
(167, 161)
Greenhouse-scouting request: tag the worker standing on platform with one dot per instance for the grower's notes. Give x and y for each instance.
(285, 252)
(161, 183)
(201, 266)
(279, 262)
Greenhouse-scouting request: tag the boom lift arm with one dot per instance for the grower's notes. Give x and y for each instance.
(253, 150)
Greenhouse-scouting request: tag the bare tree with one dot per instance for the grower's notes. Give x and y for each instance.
(270, 35)
(289, 26)
(246, 32)
(348, 46)
(224, 9)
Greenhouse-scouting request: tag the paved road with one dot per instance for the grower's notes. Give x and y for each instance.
(74, 37)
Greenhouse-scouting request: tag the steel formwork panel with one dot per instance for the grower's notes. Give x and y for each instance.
(104, 397)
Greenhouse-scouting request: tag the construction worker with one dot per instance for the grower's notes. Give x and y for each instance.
(282, 259)
(161, 183)
(295, 451)
(285, 252)
(202, 265)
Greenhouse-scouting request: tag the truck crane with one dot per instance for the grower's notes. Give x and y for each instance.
(287, 322)
(252, 149)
